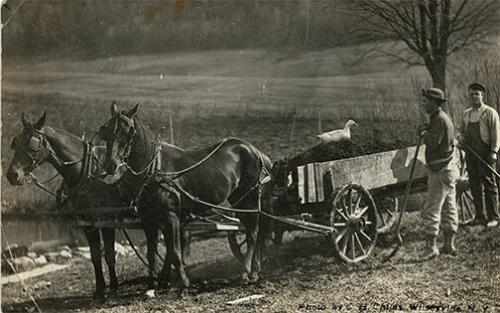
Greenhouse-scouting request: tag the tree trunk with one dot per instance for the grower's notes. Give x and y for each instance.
(437, 70)
(438, 74)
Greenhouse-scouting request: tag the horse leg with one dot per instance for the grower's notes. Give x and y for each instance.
(151, 231)
(174, 250)
(108, 236)
(186, 245)
(166, 271)
(250, 222)
(262, 236)
(93, 238)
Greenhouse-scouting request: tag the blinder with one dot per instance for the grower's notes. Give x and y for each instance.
(35, 143)
(33, 148)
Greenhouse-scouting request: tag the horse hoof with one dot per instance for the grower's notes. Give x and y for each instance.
(245, 278)
(113, 293)
(254, 277)
(100, 297)
(152, 284)
(182, 293)
(164, 284)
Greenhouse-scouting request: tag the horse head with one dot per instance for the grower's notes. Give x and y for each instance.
(30, 150)
(118, 133)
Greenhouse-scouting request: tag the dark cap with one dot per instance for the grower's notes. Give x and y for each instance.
(477, 86)
(434, 94)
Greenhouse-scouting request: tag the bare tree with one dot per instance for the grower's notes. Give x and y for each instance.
(431, 29)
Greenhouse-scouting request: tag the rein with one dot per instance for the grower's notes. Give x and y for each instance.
(34, 180)
(177, 174)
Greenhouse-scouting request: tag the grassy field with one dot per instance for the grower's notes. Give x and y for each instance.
(273, 99)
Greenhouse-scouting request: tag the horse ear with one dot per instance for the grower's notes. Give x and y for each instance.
(25, 122)
(114, 108)
(132, 111)
(39, 124)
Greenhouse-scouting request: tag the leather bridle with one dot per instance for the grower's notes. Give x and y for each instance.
(108, 135)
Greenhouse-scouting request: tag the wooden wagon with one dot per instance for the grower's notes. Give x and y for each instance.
(351, 200)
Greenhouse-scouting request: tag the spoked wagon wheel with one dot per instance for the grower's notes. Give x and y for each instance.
(387, 208)
(354, 217)
(465, 204)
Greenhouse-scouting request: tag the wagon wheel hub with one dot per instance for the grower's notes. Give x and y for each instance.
(356, 223)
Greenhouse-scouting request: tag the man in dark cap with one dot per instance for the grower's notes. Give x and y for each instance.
(480, 132)
(439, 210)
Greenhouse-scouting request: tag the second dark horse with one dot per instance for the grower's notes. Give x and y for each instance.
(230, 171)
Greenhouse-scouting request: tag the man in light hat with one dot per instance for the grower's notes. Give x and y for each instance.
(480, 136)
(439, 212)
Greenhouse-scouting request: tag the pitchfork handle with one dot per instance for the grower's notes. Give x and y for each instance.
(410, 180)
(469, 148)
(403, 209)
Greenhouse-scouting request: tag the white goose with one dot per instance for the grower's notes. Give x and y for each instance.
(338, 134)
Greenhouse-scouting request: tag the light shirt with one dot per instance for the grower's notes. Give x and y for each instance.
(489, 125)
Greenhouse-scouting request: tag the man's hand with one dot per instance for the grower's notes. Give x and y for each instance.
(421, 129)
(460, 140)
(493, 157)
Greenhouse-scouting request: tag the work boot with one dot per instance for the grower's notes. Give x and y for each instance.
(491, 223)
(431, 250)
(449, 243)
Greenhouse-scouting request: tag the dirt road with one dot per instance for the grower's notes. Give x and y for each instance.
(300, 276)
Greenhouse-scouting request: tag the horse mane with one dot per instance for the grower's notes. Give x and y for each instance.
(146, 145)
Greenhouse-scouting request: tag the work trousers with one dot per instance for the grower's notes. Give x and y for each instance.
(483, 187)
(440, 206)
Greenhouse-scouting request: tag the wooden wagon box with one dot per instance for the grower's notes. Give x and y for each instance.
(380, 172)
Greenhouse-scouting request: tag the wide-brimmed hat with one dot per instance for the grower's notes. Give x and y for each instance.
(477, 86)
(434, 94)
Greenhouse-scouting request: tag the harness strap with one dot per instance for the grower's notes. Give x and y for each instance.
(133, 247)
(137, 252)
(215, 206)
(34, 179)
(262, 180)
(147, 168)
(177, 174)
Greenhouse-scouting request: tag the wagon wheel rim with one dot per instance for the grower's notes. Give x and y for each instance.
(387, 209)
(465, 207)
(464, 200)
(354, 218)
(238, 243)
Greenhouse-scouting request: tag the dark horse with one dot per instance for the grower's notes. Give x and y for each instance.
(231, 170)
(67, 153)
